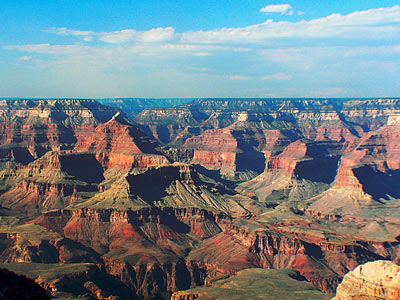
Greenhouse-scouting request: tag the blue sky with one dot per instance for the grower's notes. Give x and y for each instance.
(230, 48)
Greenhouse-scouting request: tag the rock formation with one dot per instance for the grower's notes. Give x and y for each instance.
(184, 196)
(13, 286)
(371, 281)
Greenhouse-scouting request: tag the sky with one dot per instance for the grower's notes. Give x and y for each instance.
(199, 48)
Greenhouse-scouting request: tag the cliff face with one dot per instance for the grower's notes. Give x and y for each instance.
(214, 149)
(102, 143)
(42, 125)
(231, 135)
(144, 249)
(319, 260)
(369, 173)
(117, 142)
(306, 185)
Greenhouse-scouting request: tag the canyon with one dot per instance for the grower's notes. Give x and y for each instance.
(186, 199)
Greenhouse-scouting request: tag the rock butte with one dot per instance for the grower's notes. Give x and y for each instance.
(176, 198)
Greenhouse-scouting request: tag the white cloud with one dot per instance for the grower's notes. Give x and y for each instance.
(277, 76)
(157, 35)
(86, 35)
(28, 57)
(283, 9)
(375, 23)
(239, 77)
(202, 53)
(381, 24)
(48, 49)
(121, 36)
(372, 24)
(307, 55)
(366, 42)
(66, 31)
(129, 35)
(88, 38)
(118, 37)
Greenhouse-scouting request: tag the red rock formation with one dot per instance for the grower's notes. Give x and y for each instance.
(158, 227)
(43, 125)
(286, 161)
(214, 149)
(117, 142)
(140, 247)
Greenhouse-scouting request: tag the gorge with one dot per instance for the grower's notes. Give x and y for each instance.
(173, 201)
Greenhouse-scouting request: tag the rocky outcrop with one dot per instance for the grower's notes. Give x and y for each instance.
(371, 281)
(367, 175)
(286, 161)
(76, 280)
(13, 286)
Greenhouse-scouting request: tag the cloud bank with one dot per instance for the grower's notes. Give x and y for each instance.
(320, 52)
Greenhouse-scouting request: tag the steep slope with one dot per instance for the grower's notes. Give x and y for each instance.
(72, 281)
(55, 180)
(144, 248)
(177, 185)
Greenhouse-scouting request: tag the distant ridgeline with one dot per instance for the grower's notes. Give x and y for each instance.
(133, 106)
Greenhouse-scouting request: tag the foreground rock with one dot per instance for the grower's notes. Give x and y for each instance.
(64, 281)
(371, 281)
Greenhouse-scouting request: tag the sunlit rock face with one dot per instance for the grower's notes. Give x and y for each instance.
(371, 281)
